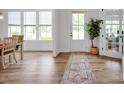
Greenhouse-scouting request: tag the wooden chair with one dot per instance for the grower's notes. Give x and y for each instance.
(8, 49)
(19, 40)
(19, 37)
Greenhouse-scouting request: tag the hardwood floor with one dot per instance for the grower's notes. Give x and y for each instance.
(105, 69)
(42, 68)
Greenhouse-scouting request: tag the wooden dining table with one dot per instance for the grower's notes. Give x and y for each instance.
(20, 44)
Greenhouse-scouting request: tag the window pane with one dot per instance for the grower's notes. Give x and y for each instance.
(108, 22)
(108, 28)
(14, 30)
(45, 18)
(78, 26)
(29, 18)
(14, 22)
(45, 28)
(75, 18)
(75, 32)
(81, 32)
(14, 18)
(30, 25)
(29, 32)
(81, 19)
(112, 17)
(45, 33)
(112, 22)
(115, 22)
(112, 35)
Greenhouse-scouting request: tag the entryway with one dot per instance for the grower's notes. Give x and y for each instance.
(77, 42)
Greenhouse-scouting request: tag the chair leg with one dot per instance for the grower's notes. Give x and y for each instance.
(3, 63)
(10, 59)
(14, 57)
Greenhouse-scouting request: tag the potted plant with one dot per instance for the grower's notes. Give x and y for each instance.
(93, 29)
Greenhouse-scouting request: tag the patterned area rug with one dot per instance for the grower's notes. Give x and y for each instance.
(78, 71)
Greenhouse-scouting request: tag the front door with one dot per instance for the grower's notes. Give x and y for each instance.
(77, 33)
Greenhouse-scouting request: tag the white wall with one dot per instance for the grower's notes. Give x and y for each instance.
(36, 45)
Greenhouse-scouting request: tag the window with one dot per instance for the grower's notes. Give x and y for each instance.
(45, 25)
(34, 25)
(78, 26)
(112, 32)
(14, 23)
(30, 25)
(112, 25)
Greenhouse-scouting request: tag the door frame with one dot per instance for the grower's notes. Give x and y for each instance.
(71, 32)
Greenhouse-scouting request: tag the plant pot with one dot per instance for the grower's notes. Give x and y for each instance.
(94, 50)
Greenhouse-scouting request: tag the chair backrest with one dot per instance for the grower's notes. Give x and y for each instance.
(19, 37)
(9, 43)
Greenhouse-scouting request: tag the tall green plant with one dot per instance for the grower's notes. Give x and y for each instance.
(93, 29)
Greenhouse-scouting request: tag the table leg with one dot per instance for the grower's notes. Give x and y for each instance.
(10, 59)
(21, 51)
(2, 59)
